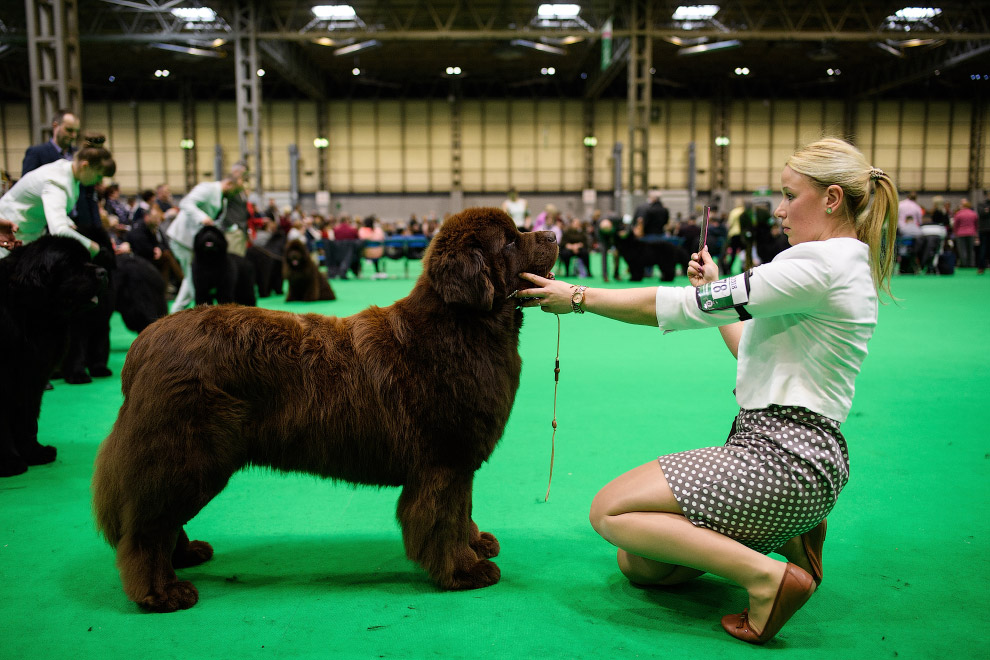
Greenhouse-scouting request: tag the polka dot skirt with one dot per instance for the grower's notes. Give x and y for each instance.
(777, 476)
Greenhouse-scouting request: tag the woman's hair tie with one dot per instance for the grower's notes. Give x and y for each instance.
(876, 173)
(95, 140)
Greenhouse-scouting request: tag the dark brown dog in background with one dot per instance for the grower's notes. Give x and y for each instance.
(304, 278)
(416, 394)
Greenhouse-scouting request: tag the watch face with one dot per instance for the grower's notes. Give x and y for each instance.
(577, 296)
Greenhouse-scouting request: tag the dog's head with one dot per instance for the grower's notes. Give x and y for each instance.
(296, 256)
(209, 243)
(53, 275)
(476, 257)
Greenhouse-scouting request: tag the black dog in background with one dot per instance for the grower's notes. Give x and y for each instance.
(304, 278)
(266, 257)
(217, 275)
(43, 285)
(139, 292)
(641, 254)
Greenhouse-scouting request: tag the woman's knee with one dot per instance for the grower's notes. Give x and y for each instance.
(599, 513)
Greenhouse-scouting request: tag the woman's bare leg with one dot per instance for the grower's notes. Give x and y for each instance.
(638, 513)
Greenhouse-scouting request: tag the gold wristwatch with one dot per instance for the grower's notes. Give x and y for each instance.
(577, 300)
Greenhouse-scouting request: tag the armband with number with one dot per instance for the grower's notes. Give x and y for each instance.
(727, 293)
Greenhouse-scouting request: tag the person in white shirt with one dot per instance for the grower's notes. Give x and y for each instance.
(799, 327)
(909, 208)
(42, 199)
(517, 208)
(200, 206)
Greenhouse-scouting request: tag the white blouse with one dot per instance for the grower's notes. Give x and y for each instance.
(813, 308)
(42, 199)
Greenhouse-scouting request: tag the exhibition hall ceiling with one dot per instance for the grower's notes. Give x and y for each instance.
(500, 48)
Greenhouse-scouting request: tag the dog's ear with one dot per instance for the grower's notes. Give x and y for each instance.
(462, 277)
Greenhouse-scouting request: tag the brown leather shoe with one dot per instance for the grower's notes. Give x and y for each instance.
(813, 541)
(794, 591)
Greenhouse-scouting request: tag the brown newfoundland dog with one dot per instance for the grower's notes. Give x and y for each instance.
(304, 278)
(415, 395)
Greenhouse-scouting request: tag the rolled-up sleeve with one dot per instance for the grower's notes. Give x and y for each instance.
(790, 284)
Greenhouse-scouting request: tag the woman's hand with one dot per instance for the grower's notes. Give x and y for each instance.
(702, 269)
(551, 296)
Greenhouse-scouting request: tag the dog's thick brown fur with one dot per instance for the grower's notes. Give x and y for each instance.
(304, 278)
(415, 395)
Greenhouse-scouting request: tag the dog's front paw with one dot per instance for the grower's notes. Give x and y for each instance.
(175, 596)
(483, 574)
(39, 454)
(100, 371)
(194, 554)
(485, 546)
(78, 378)
(11, 466)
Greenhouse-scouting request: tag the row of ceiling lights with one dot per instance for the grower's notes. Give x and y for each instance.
(545, 71)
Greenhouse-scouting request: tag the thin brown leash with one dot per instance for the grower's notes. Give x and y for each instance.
(556, 381)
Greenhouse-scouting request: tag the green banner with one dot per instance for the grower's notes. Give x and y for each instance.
(606, 44)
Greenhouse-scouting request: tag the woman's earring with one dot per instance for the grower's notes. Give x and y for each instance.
(828, 210)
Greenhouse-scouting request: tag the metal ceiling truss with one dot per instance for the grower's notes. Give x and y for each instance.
(900, 72)
(782, 20)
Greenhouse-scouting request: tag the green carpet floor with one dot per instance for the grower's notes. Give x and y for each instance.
(306, 568)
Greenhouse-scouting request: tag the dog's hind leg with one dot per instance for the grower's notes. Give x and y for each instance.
(435, 514)
(145, 564)
(190, 553)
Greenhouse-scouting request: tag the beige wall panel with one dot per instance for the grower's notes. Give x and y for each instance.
(936, 163)
(390, 127)
(833, 120)
(418, 180)
(276, 141)
(417, 123)
(417, 158)
(151, 157)
(961, 126)
(172, 136)
(16, 137)
(363, 120)
(390, 170)
(123, 118)
(496, 158)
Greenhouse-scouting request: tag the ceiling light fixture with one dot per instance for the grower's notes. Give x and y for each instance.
(890, 49)
(535, 45)
(353, 48)
(355, 71)
(334, 12)
(558, 11)
(324, 41)
(704, 48)
(195, 14)
(695, 12)
(189, 50)
(915, 14)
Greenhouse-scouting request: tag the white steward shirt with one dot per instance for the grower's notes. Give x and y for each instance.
(813, 308)
(204, 201)
(42, 199)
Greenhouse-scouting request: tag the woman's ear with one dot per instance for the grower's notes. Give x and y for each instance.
(834, 196)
